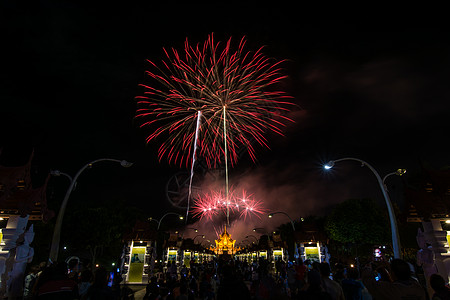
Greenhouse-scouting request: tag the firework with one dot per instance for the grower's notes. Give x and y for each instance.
(214, 203)
(234, 91)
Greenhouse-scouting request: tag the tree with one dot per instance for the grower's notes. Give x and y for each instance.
(358, 221)
(287, 235)
(99, 230)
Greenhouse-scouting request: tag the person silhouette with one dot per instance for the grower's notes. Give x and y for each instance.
(135, 258)
(441, 290)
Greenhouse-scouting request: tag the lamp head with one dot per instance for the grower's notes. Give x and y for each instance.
(400, 172)
(55, 173)
(126, 164)
(270, 215)
(181, 217)
(329, 165)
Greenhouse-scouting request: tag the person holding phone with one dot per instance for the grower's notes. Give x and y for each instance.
(351, 286)
(396, 284)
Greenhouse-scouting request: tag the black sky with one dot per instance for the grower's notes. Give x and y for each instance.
(370, 89)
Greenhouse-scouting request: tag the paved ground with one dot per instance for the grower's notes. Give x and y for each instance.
(139, 290)
(139, 295)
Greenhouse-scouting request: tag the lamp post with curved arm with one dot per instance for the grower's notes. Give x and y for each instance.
(193, 240)
(399, 172)
(205, 241)
(293, 228)
(190, 228)
(54, 249)
(59, 173)
(167, 214)
(282, 212)
(157, 230)
(394, 230)
(246, 240)
(256, 239)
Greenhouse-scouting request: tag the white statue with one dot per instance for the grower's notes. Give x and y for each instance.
(24, 255)
(326, 254)
(3, 258)
(425, 256)
(13, 235)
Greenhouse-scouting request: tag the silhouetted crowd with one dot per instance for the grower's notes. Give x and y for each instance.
(234, 279)
(57, 281)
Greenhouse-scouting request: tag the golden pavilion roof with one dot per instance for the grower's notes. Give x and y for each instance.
(225, 244)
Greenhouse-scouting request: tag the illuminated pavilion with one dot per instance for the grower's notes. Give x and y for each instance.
(225, 244)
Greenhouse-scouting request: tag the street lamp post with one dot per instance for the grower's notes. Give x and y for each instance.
(191, 228)
(246, 240)
(252, 237)
(399, 172)
(193, 240)
(205, 246)
(157, 230)
(54, 249)
(167, 214)
(59, 173)
(282, 212)
(293, 228)
(394, 230)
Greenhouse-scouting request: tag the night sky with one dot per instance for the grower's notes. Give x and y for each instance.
(372, 90)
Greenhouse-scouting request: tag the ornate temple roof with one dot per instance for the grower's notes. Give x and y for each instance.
(225, 244)
(310, 232)
(141, 231)
(19, 197)
(430, 187)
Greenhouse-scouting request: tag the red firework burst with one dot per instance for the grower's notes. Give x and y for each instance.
(233, 91)
(209, 205)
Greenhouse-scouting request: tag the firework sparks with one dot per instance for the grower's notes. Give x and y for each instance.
(209, 205)
(199, 115)
(232, 87)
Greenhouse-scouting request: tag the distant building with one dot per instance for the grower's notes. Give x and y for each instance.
(139, 255)
(311, 243)
(428, 198)
(225, 245)
(20, 202)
